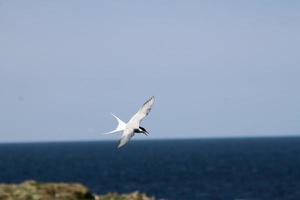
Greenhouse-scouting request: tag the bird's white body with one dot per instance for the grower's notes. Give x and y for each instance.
(133, 125)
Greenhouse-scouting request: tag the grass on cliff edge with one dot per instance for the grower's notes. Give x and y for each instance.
(32, 190)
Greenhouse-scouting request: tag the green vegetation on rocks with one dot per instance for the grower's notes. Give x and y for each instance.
(32, 190)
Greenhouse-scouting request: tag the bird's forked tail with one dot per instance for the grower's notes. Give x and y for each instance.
(121, 125)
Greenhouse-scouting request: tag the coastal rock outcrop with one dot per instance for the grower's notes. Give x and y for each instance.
(32, 190)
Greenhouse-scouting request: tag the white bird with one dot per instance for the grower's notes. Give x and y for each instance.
(133, 125)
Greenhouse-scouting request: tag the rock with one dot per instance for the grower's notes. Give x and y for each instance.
(32, 190)
(131, 196)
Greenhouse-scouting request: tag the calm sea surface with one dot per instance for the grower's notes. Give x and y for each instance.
(214, 169)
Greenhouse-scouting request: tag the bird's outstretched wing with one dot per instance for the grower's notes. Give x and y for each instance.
(142, 113)
(127, 135)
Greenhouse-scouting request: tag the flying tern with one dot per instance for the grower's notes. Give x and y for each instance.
(133, 125)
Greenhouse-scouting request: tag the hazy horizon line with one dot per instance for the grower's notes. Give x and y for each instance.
(153, 139)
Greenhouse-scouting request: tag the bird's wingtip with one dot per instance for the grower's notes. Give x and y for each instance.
(151, 98)
(119, 146)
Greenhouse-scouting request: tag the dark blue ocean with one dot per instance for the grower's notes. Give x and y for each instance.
(214, 169)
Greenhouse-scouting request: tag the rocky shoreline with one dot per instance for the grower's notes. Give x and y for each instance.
(32, 190)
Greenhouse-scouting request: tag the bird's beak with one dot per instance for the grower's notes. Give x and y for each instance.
(146, 133)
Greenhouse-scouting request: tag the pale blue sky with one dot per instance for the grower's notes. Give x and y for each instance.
(216, 68)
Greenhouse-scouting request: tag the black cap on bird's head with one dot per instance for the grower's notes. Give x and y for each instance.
(144, 131)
